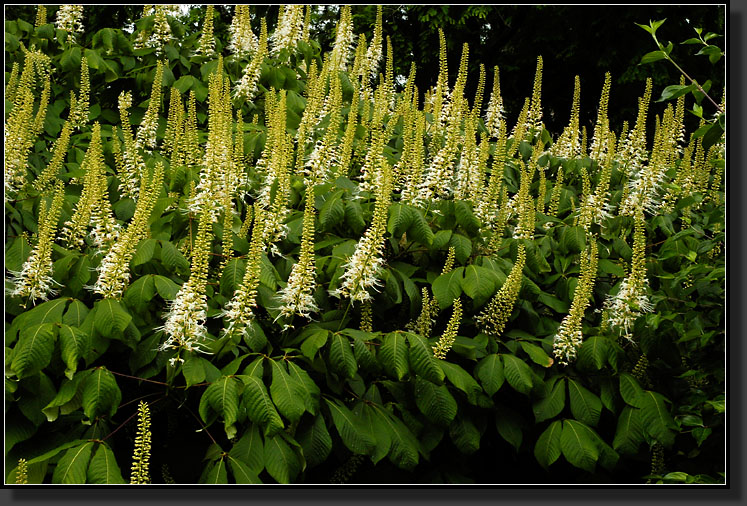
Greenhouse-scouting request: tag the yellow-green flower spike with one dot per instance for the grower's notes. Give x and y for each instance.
(22, 471)
(49, 174)
(447, 339)
(41, 16)
(206, 45)
(492, 320)
(141, 454)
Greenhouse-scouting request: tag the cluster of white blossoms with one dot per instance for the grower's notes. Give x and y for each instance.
(344, 40)
(289, 29)
(70, 19)
(243, 42)
(627, 305)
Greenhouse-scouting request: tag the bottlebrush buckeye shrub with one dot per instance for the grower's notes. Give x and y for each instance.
(251, 261)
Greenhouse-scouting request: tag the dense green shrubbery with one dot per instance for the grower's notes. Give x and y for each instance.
(291, 271)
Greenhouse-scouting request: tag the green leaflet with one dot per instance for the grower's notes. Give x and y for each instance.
(101, 395)
(547, 449)
(249, 450)
(629, 433)
(341, 356)
(551, 405)
(518, 374)
(73, 466)
(393, 355)
(215, 473)
(585, 406)
(308, 389)
(479, 283)
(509, 425)
(288, 395)
(578, 448)
(259, 406)
(405, 447)
(73, 345)
(490, 372)
(110, 318)
(222, 397)
(657, 421)
(281, 461)
(33, 352)
(351, 431)
(435, 402)
(315, 441)
(103, 467)
(422, 361)
(462, 380)
(448, 287)
(241, 472)
(464, 435)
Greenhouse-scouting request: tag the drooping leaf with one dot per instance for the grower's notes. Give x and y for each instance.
(341, 356)
(462, 380)
(547, 449)
(435, 402)
(309, 390)
(490, 373)
(405, 447)
(259, 406)
(551, 405)
(33, 352)
(353, 434)
(630, 390)
(577, 447)
(250, 450)
(103, 467)
(222, 397)
(287, 393)
(509, 425)
(422, 361)
(315, 441)
(448, 287)
(656, 419)
(73, 345)
(594, 351)
(73, 466)
(110, 318)
(393, 355)
(241, 472)
(629, 433)
(585, 406)
(464, 435)
(101, 395)
(536, 353)
(518, 374)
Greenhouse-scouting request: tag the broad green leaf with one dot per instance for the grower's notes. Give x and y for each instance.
(341, 356)
(422, 361)
(585, 406)
(215, 473)
(232, 276)
(47, 312)
(193, 370)
(144, 252)
(353, 434)
(419, 230)
(315, 441)
(172, 258)
(551, 405)
(674, 91)
(573, 239)
(167, 289)
(578, 448)
(630, 390)
(594, 352)
(33, 352)
(518, 374)
(400, 218)
(393, 355)
(103, 467)
(314, 343)
(656, 419)
(405, 446)
(490, 373)
(309, 390)
(462, 380)
(465, 218)
(608, 457)
(536, 353)
(287, 394)
(332, 211)
(435, 402)
(250, 450)
(259, 406)
(547, 449)
(223, 397)
(364, 355)
(629, 433)
(241, 472)
(462, 247)
(68, 398)
(509, 425)
(101, 395)
(140, 292)
(448, 287)
(281, 461)
(110, 318)
(653, 56)
(354, 216)
(73, 345)
(465, 435)
(73, 466)
(76, 313)
(479, 283)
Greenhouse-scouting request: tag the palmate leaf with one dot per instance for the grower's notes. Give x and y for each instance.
(490, 373)
(101, 395)
(281, 461)
(578, 448)
(259, 406)
(103, 467)
(33, 352)
(422, 361)
(287, 393)
(435, 402)
(393, 354)
(73, 466)
(315, 441)
(585, 406)
(250, 450)
(352, 432)
(222, 397)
